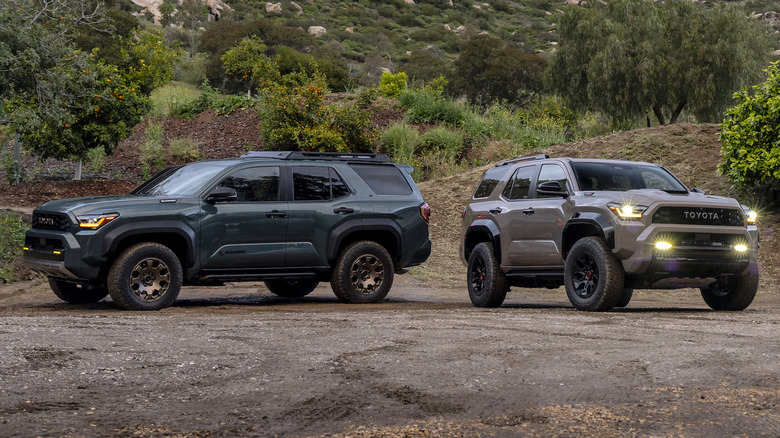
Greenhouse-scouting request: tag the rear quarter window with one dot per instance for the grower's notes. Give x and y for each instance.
(383, 179)
(489, 182)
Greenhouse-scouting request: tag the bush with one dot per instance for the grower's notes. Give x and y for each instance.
(751, 156)
(447, 142)
(423, 107)
(152, 149)
(400, 141)
(392, 85)
(96, 159)
(12, 231)
(297, 119)
(211, 99)
(15, 172)
(185, 149)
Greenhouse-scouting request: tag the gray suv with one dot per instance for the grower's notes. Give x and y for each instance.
(602, 228)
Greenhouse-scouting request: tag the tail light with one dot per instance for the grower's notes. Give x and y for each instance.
(425, 212)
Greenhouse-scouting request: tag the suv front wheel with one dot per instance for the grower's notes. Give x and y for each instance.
(77, 293)
(593, 275)
(486, 281)
(363, 273)
(146, 276)
(732, 293)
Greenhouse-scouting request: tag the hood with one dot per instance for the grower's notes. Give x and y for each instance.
(649, 197)
(99, 204)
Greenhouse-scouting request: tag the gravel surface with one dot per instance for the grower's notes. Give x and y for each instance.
(236, 361)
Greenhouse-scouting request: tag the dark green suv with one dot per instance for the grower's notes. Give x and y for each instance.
(291, 219)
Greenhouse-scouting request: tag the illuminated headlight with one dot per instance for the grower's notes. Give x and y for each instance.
(741, 247)
(663, 245)
(93, 222)
(627, 211)
(752, 217)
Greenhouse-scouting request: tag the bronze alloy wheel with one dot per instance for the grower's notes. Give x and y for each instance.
(367, 274)
(150, 279)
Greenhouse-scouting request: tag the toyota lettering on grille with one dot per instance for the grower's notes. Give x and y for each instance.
(43, 220)
(711, 215)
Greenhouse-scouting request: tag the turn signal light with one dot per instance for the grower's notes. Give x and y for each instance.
(425, 212)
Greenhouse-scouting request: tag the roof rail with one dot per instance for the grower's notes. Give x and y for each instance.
(333, 156)
(515, 160)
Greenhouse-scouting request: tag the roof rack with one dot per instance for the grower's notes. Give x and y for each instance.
(333, 156)
(515, 160)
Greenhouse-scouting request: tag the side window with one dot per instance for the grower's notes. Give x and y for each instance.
(256, 184)
(316, 183)
(490, 181)
(384, 179)
(518, 185)
(552, 172)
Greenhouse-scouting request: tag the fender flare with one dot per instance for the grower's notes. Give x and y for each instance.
(491, 229)
(604, 225)
(113, 238)
(340, 232)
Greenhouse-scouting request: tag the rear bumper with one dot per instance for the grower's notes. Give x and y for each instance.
(419, 255)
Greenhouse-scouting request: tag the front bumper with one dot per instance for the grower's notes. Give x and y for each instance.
(697, 257)
(56, 254)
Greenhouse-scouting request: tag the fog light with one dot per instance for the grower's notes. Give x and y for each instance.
(741, 247)
(663, 246)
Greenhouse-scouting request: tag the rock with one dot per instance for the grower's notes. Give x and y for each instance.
(273, 8)
(776, 53)
(153, 7)
(460, 29)
(409, 2)
(349, 30)
(298, 8)
(317, 31)
(573, 2)
(447, 26)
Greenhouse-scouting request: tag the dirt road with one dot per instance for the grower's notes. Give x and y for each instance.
(237, 361)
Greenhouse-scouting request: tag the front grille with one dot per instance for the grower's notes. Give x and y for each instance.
(699, 216)
(51, 221)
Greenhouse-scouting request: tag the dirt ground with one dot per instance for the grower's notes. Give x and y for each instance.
(237, 361)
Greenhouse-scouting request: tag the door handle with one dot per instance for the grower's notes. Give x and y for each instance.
(528, 211)
(343, 210)
(275, 213)
(496, 210)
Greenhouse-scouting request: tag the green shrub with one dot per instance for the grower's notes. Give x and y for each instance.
(423, 107)
(400, 141)
(297, 119)
(169, 99)
(15, 172)
(96, 159)
(367, 97)
(211, 99)
(185, 149)
(152, 149)
(12, 231)
(392, 85)
(445, 141)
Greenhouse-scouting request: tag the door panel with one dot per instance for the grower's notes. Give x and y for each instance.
(250, 232)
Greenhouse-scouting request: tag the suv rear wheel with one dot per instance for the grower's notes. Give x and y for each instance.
(146, 276)
(363, 273)
(486, 281)
(291, 288)
(77, 293)
(593, 275)
(732, 293)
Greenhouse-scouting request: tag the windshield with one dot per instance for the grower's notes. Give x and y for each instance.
(625, 176)
(185, 181)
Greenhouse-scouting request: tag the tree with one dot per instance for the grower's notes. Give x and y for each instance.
(628, 57)
(487, 71)
(750, 135)
(248, 61)
(61, 101)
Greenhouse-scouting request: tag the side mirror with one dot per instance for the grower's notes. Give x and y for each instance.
(699, 191)
(222, 194)
(551, 188)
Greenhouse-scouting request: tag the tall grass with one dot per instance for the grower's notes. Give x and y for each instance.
(168, 100)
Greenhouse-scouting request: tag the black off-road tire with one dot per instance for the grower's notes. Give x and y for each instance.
(733, 292)
(625, 297)
(77, 293)
(593, 275)
(146, 276)
(291, 288)
(486, 281)
(363, 273)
